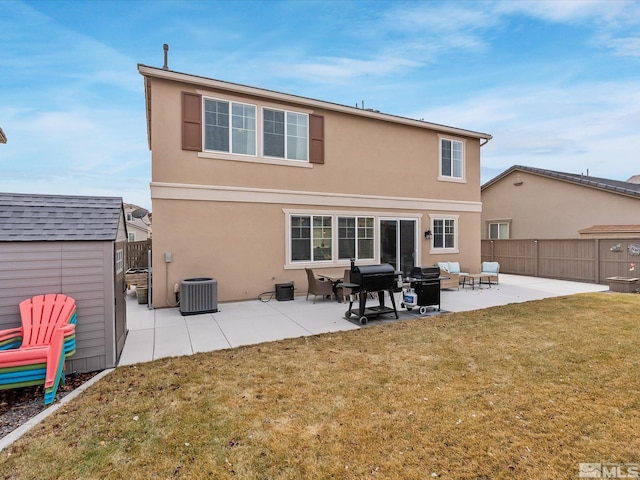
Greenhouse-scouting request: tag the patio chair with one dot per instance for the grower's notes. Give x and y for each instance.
(342, 291)
(491, 270)
(318, 286)
(35, 353)
(452, 271)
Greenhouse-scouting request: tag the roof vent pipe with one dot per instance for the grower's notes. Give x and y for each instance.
(166, 56)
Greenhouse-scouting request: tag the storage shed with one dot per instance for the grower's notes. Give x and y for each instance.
(73, 245)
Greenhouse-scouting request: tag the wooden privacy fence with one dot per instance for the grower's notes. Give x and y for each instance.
(137, 256)
(582, 260)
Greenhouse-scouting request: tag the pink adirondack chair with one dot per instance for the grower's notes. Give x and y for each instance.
(35, 353)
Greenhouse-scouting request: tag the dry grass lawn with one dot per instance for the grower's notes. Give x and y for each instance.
(521, 391)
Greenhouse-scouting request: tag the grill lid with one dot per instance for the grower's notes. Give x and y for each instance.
(364, 270)
(425, 272)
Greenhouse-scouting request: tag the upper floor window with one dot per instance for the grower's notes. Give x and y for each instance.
(451, 158)
(229, 127)
(212, 126)
(498, 230)
(286, 134)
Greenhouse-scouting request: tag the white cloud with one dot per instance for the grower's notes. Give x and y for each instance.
(585, 126)
(332, 69)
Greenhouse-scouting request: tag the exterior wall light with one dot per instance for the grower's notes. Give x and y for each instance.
(427, 235)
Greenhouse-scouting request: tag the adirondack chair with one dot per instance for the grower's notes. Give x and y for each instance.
(35, 353)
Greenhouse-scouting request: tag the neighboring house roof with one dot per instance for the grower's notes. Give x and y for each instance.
(634, 179)
(614, 186)
(43, 218)
(611, 229)
(3, 137)
(235, 88)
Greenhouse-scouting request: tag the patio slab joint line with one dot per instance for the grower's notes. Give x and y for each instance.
(291, 319)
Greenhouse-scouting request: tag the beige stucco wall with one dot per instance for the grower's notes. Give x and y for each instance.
(225, 216)
(543, 207)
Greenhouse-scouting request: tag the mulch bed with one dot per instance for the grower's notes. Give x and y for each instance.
(19, 405)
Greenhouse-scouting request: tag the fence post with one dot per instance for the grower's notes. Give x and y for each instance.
(597, 260)
(537, 258)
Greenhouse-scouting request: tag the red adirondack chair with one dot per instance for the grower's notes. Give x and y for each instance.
(35, 352)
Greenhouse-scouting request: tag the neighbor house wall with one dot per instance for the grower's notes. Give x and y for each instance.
(539, 207)
(82, 270)
(225, 216)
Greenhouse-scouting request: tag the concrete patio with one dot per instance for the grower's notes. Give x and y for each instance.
(158, 333)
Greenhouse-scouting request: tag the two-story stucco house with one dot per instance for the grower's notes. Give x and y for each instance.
(250, 186)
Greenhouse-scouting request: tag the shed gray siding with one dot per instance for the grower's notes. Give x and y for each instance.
(65, 244)
(82, 270)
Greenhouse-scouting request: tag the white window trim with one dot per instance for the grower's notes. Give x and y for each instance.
(445, 251)
(285, 111)
(342, 263)
(445, 178)
(263, 160)
(204, 127)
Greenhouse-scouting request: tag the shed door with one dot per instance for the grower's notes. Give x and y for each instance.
(120, 306)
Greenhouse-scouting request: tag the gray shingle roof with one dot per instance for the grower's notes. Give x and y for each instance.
(48, 218)
(616, 186)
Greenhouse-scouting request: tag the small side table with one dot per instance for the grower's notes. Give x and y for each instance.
(474, 279)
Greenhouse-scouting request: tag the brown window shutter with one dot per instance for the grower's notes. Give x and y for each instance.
(316, 138)
(191, 121)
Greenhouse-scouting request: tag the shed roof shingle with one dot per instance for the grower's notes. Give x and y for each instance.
(47, 218)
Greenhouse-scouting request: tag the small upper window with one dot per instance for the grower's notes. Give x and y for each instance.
(229, 127)
(451, 158)
(498, 230)
(286, 134)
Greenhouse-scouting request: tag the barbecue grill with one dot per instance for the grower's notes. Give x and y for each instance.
(425, 281)
(368, 279)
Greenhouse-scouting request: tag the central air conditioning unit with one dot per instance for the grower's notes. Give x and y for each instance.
(198, 295)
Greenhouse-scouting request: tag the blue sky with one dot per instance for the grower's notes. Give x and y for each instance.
(557, 83)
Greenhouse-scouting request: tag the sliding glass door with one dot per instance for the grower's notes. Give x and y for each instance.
(398, 243)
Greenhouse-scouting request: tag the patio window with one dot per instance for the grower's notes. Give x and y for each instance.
(444, 233)
(311, 238)
(356, 238)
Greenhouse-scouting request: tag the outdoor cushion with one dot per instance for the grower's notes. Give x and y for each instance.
(490, 268)
(454, 267)
(443, 266)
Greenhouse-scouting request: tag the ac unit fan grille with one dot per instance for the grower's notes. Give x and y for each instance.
(198, 295)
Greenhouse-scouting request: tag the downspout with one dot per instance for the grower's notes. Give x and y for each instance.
(487, 141)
